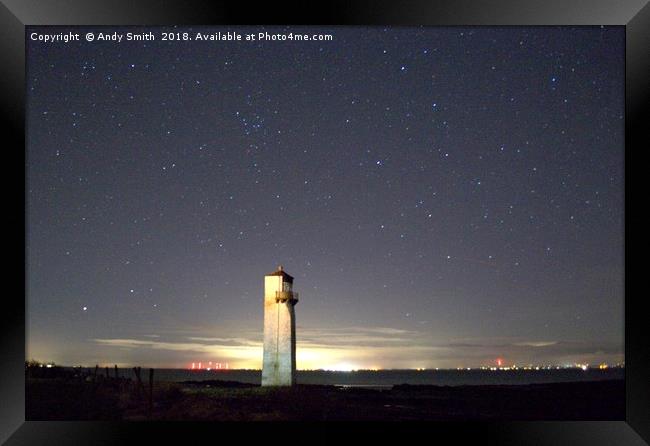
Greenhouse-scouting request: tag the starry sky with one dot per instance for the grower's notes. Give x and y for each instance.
(442, 196)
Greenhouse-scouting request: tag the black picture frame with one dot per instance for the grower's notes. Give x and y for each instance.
(634, 15)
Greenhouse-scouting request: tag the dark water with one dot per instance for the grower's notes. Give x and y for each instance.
(387, 378)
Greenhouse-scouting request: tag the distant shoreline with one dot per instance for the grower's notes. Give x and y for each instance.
(382, 378)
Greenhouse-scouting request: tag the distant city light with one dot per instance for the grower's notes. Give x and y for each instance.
(210, 366)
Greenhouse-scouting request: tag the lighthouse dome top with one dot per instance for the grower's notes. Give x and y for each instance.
(280, 272)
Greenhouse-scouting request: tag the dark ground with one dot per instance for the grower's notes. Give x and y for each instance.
(68, 396)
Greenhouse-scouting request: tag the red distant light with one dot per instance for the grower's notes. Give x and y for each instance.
(499, 362)
(210, 365)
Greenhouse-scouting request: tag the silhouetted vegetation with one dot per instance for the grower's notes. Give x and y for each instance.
(87, 394)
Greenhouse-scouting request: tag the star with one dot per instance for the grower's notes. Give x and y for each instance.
(330, 158)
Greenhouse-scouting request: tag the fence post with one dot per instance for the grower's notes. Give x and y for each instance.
(116, 374)
(150, 392)
(136, 370)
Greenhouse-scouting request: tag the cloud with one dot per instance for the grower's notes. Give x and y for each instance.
(246, 352)
(363, 347)
(362, 337)
(502, 344)
(535, 344)
(225, 341)
(316, 347)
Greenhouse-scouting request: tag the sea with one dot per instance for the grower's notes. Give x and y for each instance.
(387, 378)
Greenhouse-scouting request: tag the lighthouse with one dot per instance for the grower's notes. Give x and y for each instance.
(279, 366)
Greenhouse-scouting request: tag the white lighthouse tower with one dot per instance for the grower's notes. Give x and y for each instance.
(279, 367)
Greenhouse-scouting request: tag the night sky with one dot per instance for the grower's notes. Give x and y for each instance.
(442, 196)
